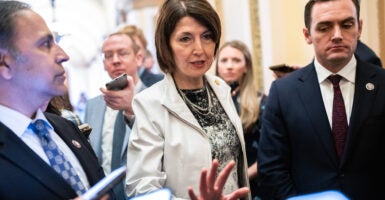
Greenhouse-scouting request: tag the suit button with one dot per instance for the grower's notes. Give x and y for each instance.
(342, 175)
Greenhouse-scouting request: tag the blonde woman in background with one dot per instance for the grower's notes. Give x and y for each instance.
(234, 65)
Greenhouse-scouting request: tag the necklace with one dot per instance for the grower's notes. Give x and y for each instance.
(195, 107)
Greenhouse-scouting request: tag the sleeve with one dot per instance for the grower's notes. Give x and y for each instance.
(274, 151)
(145, 149)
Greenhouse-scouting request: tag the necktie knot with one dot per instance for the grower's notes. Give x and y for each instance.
(39, 127)
(335, 79)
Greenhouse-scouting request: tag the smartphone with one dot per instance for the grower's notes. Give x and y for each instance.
(282, 68)
(118, 83)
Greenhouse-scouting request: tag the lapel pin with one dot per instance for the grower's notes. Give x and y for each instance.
(76, 144)
(216, 81)
(369, 86)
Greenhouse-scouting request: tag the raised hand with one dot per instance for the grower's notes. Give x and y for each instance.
(211, 188)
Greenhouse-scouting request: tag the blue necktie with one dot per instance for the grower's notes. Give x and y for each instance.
(56, 158)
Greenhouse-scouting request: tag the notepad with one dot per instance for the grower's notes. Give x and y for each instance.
(161, 194)
(104, 185)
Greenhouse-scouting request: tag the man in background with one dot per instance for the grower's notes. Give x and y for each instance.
(365, 53)
(146, 76)
(110, 115)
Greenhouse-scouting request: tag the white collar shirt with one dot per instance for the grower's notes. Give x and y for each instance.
(346, 84)
(19, 123)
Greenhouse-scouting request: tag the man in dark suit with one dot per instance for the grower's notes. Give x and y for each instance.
(365, 53)
(301, 148)
(146, 75)
(31, 73)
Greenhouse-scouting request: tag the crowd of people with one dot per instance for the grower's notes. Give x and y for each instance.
(202, 136)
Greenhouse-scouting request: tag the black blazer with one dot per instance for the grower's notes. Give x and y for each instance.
(365, 53)
(24, 175)
(297, 153)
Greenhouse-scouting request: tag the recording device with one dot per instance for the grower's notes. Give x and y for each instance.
(85, 129)
(282, 68)
(118, 83)
(234, 85)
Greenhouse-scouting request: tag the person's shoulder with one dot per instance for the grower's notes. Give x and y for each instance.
(369, 67)
(154, 90)
(298, 74)
(96, 99)
(58, 120)
(216, 80)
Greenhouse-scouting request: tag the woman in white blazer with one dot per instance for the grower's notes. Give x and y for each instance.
(188, 119)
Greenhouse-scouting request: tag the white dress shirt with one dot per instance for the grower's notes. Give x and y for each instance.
(108, 132)
(19, 123)
(107, 138)
(347, 82)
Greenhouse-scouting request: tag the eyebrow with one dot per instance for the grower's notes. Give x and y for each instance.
(46, 37)
(349, 19)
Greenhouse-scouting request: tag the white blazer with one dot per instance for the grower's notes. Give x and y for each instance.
(167, 146)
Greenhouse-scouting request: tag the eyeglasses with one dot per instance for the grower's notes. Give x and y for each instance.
(122, 54)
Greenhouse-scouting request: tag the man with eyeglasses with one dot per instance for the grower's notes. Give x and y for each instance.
(110, 114)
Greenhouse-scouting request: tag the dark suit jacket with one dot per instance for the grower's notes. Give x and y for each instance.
(365, 53)
(297, 153)
(148, 78)
(24, 175)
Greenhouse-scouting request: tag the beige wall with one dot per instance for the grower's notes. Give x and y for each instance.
(369, 16)
(288, 42)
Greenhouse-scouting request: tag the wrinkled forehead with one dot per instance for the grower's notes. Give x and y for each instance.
(117, 41)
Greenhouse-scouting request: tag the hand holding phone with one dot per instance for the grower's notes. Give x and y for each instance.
(118, 83)
(282, 68)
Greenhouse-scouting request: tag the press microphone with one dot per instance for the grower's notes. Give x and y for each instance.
(234, 85)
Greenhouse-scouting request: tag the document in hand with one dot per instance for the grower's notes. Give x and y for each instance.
(161, 194)
(104, 185)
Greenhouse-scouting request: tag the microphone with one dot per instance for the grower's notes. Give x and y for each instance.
(234, 85)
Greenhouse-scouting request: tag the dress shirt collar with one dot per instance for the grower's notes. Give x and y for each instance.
(141, 70)
(348, 72)
(16, 121)
(138, 87)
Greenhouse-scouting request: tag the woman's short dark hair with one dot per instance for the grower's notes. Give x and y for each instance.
(310, 4)
(169, 15)
(8, 11)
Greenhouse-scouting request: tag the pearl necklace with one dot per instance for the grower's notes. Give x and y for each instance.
(196, 107)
